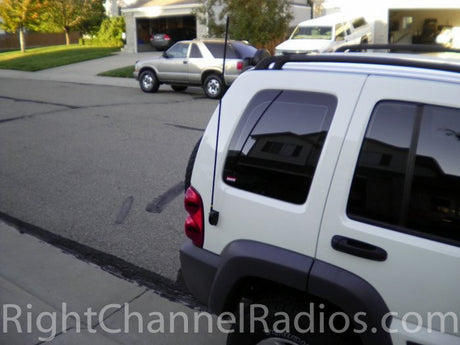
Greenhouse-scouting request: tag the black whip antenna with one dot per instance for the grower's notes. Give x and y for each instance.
(213, 214)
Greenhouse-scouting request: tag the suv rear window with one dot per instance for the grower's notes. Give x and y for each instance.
(217, 50)
(408, 172)
(278, 142)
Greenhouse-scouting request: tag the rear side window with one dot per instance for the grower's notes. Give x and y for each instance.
(195, 52)
(278, 142)
(244, 50)
(408, 173)
(217, 50)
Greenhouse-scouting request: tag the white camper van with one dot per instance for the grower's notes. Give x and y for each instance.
(325, 34)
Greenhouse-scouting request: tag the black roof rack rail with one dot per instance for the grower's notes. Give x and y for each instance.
(277, 62)
(408, 48)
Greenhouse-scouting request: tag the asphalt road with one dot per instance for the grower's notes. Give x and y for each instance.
(85, 162)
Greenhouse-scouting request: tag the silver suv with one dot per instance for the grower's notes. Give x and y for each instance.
(197, 62)
(333, 215)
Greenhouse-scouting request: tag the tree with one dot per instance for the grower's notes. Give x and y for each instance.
(92, 24)
(19, 15)
(261, 22)
(110, 32)
(65, 15)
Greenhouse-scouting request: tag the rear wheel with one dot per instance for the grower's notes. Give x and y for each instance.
(285, 322)
(260, 55)
(179, 88)
(148, 82)
(214, 86)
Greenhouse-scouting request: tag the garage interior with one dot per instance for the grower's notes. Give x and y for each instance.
(407, 26)
(146, 27)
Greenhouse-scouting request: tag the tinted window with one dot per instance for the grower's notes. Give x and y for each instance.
(408, 172)
(244, 50)
(277, 144)
(434, 204)
(217, 50)
(195, 52)
(379, 177)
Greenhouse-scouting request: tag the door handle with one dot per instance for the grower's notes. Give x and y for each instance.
(185, 62)
(357, 248)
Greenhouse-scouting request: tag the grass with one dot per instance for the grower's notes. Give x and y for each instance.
(48, 57)
(123, 72)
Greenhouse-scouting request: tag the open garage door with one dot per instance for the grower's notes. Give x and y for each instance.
(408, 26)
(178, 27)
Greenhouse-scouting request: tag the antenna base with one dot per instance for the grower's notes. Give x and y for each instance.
(213, 217)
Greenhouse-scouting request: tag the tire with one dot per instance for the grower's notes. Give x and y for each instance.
(277, 334)
(190, 164)
(214, 86)
(148, 82)
(364, 41)
(260, 55)
(179, 88)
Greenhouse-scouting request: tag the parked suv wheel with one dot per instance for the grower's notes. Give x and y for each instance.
(214, 86)
(275, 310)
(148, 82)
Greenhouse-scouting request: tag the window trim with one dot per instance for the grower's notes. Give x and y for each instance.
(403, 229)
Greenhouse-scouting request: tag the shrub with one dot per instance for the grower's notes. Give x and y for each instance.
(110, 33)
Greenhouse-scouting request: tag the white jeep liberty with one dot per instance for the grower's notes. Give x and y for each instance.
(335, 202)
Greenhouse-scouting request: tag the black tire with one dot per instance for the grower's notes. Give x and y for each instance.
(190, 164)
(179, 88)
(364, 41)
(213, 86)
(277, 333)
(260, 55)
(148, 82)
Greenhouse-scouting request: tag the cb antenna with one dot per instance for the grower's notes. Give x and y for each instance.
(213, 214)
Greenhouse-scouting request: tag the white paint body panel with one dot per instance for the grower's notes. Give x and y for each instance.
(420, 275)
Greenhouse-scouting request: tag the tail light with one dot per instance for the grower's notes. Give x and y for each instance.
(167, 38)
(239, 65)
(194, 224)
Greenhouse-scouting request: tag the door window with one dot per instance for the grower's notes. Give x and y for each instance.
(178, 51)
(408, 173)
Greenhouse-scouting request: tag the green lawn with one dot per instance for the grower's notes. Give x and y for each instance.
(124, 72)
(42, 58)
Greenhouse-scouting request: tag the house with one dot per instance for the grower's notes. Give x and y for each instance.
(144, 17)
(401, 21)
(395, 21)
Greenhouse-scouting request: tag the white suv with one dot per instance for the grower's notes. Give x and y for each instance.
(335, 202)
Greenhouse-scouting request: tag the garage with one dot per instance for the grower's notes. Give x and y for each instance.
(146, 27)
(421, 26)
(147, 17)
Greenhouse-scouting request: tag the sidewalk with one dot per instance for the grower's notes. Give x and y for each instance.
(86, 72)
(48, 296)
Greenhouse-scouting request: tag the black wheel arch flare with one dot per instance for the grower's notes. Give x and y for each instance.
(243, 258)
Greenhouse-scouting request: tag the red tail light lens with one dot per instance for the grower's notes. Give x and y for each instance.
(194, 224)
(167, 38)
(239, 65)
